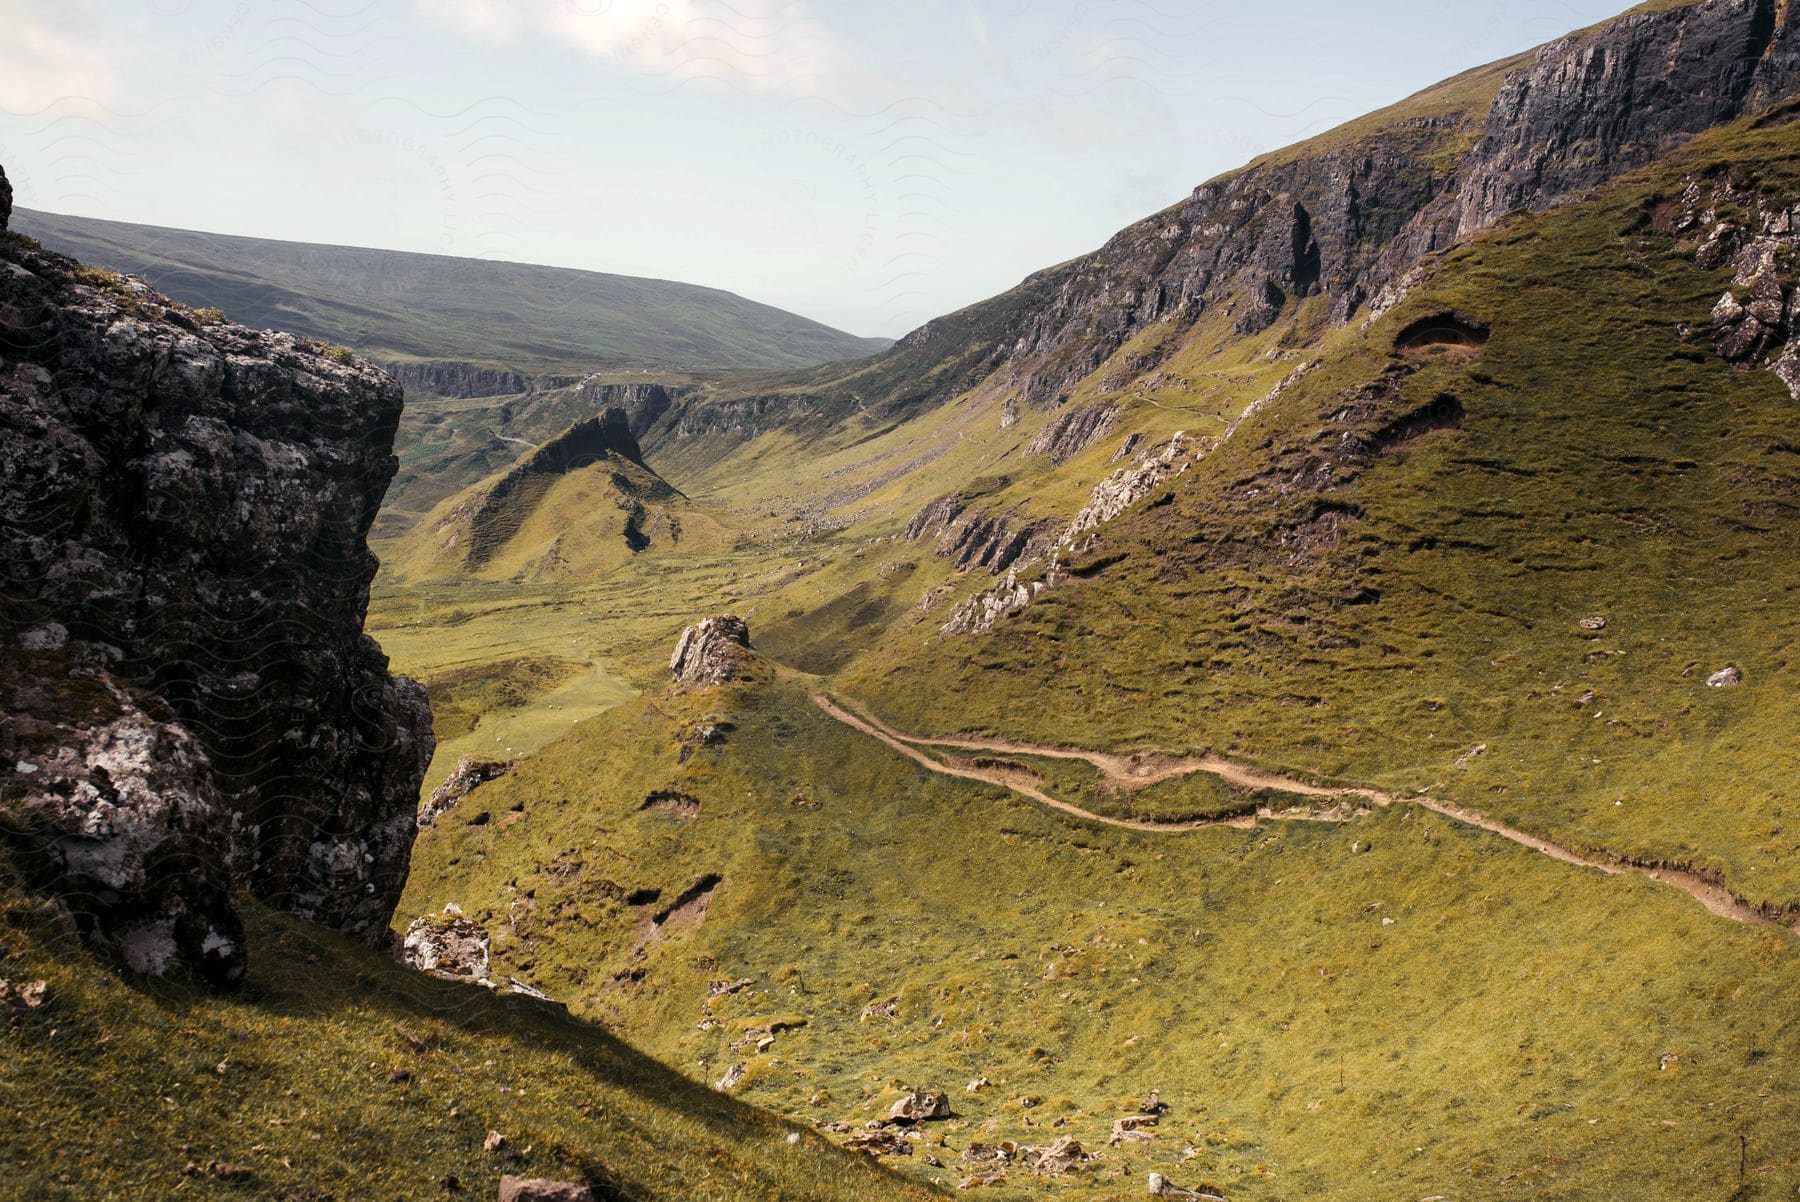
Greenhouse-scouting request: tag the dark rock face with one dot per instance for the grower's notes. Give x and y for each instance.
(712, 652)
(642, 404)
(190, 501)
(5, 199)
(458, 379)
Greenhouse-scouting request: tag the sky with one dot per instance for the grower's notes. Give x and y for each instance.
(867, 164)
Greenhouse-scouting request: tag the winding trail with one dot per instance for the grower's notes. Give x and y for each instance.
(1138, 771)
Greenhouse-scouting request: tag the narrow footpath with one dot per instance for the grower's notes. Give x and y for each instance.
(1135, 772)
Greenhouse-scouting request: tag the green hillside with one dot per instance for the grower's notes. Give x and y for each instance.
(394, 306)
(336, 1073)
(1476, 556)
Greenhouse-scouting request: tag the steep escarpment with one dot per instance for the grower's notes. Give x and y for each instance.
(1338, 223)
(185, 504)
(453, 379)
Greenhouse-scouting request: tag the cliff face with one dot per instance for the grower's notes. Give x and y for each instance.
(183, 508)
(458, 379)
(1349, 217)
(1346, 216)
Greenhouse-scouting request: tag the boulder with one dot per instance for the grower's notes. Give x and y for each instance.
(5, 199)
(880, 1139)
(1063, 1156)
(537, 1189)
(453, 947)
(1726, 677)
(919, 1106)
(712, 652)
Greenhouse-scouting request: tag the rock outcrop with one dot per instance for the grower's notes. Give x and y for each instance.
(1756, 320)
(5, 199)
(468, 775)
(457, 379)
(453, 946)
(713, 652)
(188, 500)
(1075, 431)
(538, 1189)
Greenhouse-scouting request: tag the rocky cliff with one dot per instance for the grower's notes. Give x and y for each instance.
(192, 704)
(1348, 215)
(1345, 217)
(457, 379)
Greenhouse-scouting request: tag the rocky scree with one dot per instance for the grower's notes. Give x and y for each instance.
(183, 511)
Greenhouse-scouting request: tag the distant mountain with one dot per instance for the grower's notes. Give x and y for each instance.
(463, 327)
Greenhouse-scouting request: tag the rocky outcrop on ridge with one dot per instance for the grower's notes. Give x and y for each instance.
(712, 652)
(1347, 217)
(1074, 431)
(1756, 320)
(183, 511)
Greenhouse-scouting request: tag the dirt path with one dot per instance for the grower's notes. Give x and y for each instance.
(1135, 772)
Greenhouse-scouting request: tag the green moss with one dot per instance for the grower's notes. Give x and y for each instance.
(334, 1072)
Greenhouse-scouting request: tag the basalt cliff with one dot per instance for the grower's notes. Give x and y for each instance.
(190, 703)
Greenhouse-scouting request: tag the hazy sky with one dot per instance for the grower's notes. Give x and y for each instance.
(866, 164)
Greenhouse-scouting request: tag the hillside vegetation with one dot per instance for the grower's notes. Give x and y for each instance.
(397, 307)
(1435, 458)
(333, 1072)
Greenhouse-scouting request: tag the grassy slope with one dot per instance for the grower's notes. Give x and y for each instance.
(1606, 466)
(125, 1091)
(392, 305)
(1503, 1036)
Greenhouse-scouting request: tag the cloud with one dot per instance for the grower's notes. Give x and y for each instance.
(767, 49)
(53, 53)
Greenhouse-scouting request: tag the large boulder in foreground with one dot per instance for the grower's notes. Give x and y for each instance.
(185, 502)
(713, 652)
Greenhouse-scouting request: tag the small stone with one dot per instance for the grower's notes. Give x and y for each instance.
(1597, 622)
(494, 1142)
(919, 1107)
(1725, 677)
(538, 1189)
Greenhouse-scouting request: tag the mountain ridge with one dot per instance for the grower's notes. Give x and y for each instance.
(433, 307)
